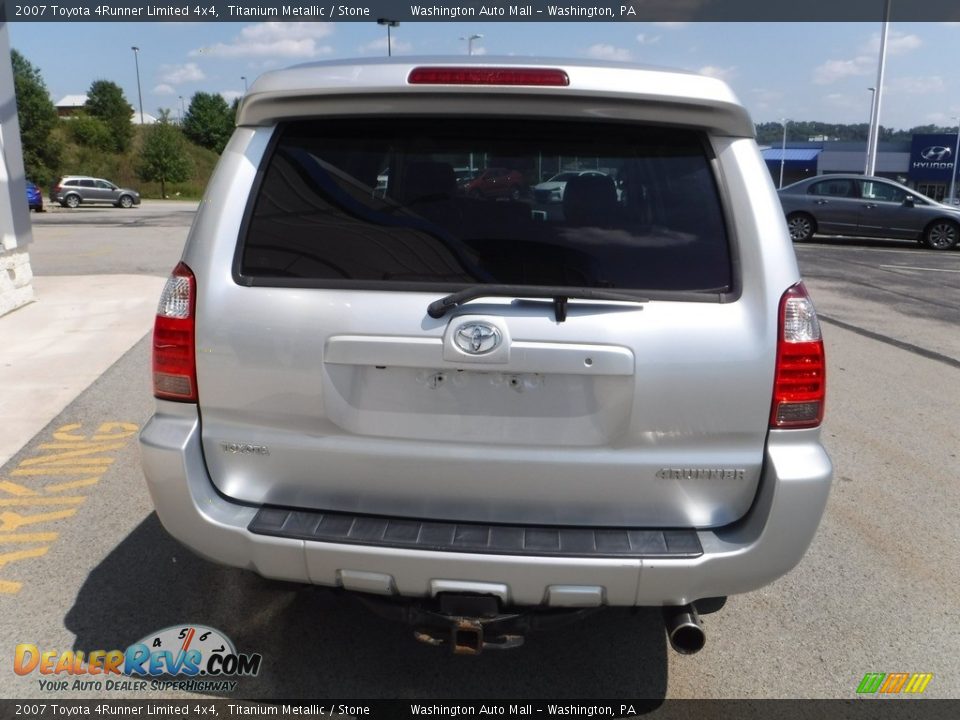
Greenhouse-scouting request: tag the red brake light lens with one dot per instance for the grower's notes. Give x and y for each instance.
(800, 380)
(471, 75)
(174, 348)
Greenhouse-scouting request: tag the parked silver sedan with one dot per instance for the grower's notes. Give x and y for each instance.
(864, 206)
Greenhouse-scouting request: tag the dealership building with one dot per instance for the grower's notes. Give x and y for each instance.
(925, 163)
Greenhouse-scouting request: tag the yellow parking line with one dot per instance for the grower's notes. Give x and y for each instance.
(9, 587)
(27, 537)
(114, 443)
(58, 460)
(64, 433)
(10, 521)
(125, 429)
(71, 462)
(86, 463)
(21, 502)
(15, 489)
(33, 472)
(59, 487)
(22, 555)
(75, 450)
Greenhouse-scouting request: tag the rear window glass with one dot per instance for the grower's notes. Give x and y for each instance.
(646, 216)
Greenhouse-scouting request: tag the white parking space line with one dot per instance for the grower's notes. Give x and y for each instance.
(866, 248)
(925, 269)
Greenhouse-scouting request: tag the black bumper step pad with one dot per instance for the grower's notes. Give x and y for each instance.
(561, 541)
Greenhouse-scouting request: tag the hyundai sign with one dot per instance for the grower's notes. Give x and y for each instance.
(932, 157)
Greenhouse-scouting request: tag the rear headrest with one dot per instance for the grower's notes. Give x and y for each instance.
(589, 200)
(426, 179)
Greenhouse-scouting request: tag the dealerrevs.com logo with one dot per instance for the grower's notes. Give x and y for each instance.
(203, 658)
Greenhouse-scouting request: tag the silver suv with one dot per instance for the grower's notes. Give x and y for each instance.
(489, 410)
(72, 190)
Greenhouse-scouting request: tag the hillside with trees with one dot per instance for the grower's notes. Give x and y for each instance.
(159, 160)
(38, 120)
(168, 159)
(771, 133)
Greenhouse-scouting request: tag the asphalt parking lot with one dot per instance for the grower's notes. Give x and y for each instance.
(888, 290)
(877, 592)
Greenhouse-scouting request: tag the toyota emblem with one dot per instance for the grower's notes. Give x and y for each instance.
(477, 338)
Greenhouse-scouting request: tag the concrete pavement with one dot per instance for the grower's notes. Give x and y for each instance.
(54, 348)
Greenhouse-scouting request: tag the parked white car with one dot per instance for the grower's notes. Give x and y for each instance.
(552, 190)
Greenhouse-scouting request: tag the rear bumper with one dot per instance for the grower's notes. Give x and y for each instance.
(765, 544)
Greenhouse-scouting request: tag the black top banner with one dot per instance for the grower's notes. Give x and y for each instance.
(201, 708)
(489, 11)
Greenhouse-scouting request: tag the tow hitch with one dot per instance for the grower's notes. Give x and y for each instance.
(468, 624)
(466, 636)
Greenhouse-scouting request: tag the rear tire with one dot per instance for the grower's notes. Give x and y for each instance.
(941, 235)
(801, 226)
(72, 201)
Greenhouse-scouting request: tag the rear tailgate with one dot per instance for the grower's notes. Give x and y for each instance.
(325, 384)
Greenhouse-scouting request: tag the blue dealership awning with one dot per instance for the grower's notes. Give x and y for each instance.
(791, 154)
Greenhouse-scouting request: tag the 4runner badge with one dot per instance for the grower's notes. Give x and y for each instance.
(701, 473)
(477, 338)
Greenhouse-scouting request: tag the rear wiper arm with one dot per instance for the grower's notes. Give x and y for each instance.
(560, 295)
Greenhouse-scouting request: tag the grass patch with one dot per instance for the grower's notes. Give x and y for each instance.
(120, 168)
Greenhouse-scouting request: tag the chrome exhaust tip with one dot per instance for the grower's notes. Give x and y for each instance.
(684, 629)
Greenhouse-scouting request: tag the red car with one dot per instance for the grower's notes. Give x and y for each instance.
(494, 183)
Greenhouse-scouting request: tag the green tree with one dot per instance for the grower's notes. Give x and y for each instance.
(931, 130)
(209, 121)
(91, 132)
(163, 157)
(106, 102)
(38, 118)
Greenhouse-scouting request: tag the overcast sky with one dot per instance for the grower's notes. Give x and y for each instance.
(801, 71)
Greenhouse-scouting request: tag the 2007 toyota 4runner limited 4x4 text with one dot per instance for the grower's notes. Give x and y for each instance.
(492, 410)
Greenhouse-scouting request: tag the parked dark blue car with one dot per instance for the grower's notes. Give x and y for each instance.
(34, 197)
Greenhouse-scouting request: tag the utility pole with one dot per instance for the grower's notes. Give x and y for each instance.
(878, 96)
(136, 60)
(470, 39)
(783, 150)
(389, 24)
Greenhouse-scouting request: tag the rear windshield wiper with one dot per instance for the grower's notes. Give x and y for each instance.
(560, 295)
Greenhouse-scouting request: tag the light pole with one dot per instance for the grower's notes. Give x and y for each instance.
(244, 78)
(470, 39)
(866, 155)
(136, 60)
(389, 24)
(953, 172)
(783, 150)
(181, 109)
(878, 97)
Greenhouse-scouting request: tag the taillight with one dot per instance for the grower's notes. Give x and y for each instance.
(800, 382)
(471, 75)
(174, 350)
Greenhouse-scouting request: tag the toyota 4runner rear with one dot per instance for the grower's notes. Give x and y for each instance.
(477, 404)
